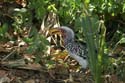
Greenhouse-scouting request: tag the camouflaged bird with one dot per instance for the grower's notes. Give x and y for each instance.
(76, 50)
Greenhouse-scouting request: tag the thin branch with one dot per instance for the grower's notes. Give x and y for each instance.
(8, 55)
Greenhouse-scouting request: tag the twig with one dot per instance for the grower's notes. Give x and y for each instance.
(8, 55)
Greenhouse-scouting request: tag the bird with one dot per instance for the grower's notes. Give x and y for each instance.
(75, 49)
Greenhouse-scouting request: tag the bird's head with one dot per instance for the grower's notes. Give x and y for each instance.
(66, 32)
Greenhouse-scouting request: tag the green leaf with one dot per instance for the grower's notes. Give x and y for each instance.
(87, 1)
(37, 59)
(122, 40)
(3, 29)
(33, 32)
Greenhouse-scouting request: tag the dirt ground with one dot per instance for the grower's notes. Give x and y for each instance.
(60, 75)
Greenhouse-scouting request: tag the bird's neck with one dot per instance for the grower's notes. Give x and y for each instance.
(67, 41)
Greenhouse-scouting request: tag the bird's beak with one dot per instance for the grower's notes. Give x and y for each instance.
(54, 31)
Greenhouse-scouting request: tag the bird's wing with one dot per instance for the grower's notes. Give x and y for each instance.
(77, 49)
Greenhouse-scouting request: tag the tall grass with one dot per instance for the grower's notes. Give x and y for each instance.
(94, 31)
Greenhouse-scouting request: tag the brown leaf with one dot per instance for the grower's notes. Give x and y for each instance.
(2, 73)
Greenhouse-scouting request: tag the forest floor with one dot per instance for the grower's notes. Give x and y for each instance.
(15, 69)
(20, 71)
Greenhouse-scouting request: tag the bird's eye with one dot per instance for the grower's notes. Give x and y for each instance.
(62, 31)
